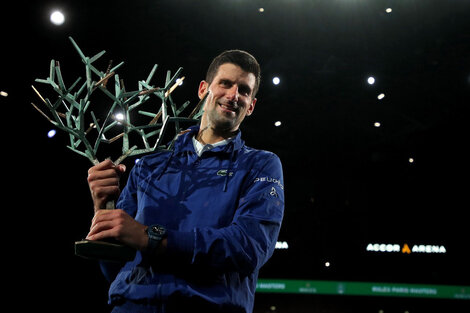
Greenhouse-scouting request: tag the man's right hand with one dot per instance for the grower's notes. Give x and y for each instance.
(103, 180)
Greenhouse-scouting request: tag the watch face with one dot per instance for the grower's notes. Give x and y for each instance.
(158, 230)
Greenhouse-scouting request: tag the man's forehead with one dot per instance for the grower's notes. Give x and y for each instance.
(230, 70)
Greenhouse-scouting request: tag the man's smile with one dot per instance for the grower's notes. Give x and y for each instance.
(228, 108)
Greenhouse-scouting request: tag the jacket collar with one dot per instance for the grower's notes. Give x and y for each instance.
(184, 142)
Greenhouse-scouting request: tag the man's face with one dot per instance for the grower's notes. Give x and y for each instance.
(230, 98)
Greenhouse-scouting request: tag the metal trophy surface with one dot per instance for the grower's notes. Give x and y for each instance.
(119, 117)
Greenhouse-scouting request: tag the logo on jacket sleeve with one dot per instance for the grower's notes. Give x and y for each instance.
(273, 192)
(269, 180)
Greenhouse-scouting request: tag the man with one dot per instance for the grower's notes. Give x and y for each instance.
(204, 217)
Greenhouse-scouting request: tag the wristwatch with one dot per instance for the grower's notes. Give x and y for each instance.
(156, 234)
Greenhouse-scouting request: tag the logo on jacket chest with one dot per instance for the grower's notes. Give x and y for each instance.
(224, 173)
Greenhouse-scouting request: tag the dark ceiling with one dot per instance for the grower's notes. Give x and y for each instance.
(347, 182)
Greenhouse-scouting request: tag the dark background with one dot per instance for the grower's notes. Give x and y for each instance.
(347, 183)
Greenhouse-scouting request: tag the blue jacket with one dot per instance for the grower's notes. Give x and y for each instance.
(222, 211)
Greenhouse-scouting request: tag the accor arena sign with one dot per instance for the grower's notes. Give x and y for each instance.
(406, 248)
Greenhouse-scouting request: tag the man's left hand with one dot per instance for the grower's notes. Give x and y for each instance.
(119, 225)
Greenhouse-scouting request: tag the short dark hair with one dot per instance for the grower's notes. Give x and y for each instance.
(246, 61)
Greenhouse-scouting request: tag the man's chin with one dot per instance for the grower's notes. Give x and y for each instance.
(222, 122)
(224, 125)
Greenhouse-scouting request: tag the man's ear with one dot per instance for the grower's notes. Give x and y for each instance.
(251, 107)
(203, 88)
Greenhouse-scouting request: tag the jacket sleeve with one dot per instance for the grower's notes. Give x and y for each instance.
(249, 241)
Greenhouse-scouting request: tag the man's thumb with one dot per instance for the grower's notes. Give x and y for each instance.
(121, 168)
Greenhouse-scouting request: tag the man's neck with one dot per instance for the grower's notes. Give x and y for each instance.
(207, 135)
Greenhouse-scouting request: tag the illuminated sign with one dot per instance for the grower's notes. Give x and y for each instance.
(351, 288)
(405, 248)
(282, 245)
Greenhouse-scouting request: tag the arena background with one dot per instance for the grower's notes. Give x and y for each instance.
(376, 175)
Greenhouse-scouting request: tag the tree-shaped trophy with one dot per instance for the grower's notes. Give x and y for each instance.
(112, 120)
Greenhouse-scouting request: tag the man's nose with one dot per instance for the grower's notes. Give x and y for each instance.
(232, 94)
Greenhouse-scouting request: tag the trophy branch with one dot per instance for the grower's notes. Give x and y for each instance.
(119, 116)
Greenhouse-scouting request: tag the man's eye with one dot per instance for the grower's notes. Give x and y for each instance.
(245, 92)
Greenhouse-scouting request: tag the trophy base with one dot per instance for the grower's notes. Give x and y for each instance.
(103, 250)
